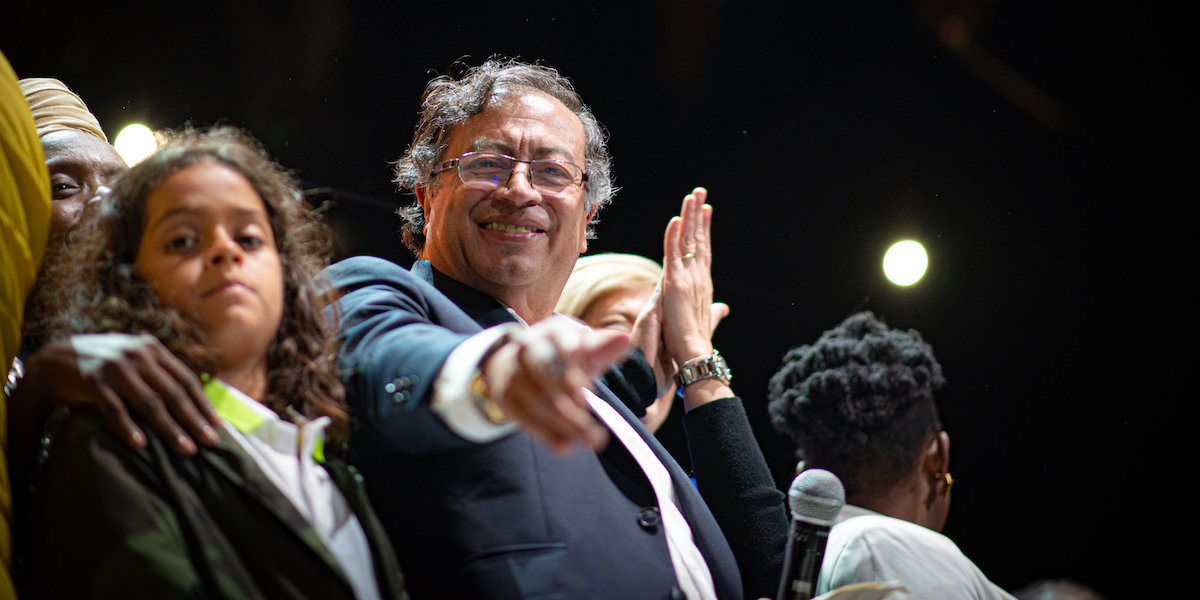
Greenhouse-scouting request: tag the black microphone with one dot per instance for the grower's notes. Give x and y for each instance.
(816, 497)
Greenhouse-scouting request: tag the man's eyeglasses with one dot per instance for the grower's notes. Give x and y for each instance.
(491, 169)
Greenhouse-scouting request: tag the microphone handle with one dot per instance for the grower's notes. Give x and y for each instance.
(802, 561)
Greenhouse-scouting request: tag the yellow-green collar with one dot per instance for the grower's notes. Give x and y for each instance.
(239, 415)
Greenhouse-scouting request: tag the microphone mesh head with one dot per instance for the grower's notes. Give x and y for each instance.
(816, 496)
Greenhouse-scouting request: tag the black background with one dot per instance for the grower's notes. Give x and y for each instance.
(824, 131)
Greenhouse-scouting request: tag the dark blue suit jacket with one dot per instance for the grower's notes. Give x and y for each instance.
(507, 519)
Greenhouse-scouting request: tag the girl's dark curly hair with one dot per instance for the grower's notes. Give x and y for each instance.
(859, 402)
(102, 292)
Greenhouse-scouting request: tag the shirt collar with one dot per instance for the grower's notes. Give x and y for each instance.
(849, 511)
(484, 309)
(245, 413)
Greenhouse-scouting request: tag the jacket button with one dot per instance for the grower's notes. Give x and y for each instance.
(677, 594)
(403, 383)
(649, 519)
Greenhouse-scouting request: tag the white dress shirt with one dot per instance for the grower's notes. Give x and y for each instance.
(287, 454)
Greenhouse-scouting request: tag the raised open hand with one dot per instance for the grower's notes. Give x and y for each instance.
(687, 289)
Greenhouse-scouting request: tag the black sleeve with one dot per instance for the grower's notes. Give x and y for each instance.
(736, 483)
(633, 382)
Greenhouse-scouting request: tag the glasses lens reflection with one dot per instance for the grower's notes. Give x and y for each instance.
(494, 169)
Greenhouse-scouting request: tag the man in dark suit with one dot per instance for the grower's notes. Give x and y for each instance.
(499, 464)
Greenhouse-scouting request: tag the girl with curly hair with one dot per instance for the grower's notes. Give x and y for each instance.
(208, 246)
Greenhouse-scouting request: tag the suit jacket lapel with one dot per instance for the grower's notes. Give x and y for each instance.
(705, 530)
(682, 483)
(484, 309)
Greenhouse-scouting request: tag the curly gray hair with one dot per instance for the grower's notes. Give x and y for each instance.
(448, 102)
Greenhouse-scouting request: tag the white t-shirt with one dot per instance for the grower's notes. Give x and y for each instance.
(867, 546)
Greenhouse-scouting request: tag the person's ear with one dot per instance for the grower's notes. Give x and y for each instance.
(421, 192)
(423, 195)
(939, 451)
(935, 465)
(583, 242)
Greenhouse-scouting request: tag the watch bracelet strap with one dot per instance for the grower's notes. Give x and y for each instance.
(700, 368)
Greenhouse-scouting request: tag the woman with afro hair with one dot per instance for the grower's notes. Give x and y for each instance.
(859, 403)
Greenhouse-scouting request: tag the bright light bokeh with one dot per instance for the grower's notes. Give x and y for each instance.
(905, 262)
(134, 143)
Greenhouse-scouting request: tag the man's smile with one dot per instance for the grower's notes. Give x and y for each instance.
(506, 228)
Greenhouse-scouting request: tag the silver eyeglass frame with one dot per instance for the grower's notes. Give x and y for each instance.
(455, 162)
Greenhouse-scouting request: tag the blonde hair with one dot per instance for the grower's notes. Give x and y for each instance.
(599, 274)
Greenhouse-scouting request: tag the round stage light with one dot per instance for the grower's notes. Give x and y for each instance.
(134, 143)
(905, 262)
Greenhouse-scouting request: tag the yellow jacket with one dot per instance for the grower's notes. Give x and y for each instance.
(24, 227)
